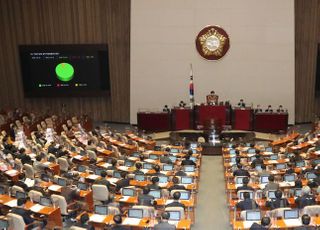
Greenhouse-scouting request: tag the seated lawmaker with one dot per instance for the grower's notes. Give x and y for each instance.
(247, 203)
(240, 171)
(187, 161)
(176, 186)
(163, 223)
(271, 186)
(306, 220)
(138, 171)
(155, 184)
(124, 182)
(257, 161)
(278, 202)
(145, 198)
(306, 198)
(241, 104)
(84, 222)
(265, 224)
(103, 180)
(245, 182)
(176, 202)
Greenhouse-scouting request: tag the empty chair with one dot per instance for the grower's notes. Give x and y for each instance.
(311, 210)
(64, 165)
(100, 192)
(29, 171)
(35, 195)
(16, 222)
(60, 201)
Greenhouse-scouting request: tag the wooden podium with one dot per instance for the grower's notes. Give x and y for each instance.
(204, 113)
(242, 118)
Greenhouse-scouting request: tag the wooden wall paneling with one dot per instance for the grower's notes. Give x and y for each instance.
(67, 22)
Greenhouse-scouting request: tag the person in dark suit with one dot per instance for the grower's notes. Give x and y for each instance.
(145, 198)
(113, 165)
(157, 171)
(155, 184)
(138, 169)
(124, 182)
(305, 219)
(306, 198)
(240, 171)
(257, 161)
(165, 159)
(278, 202)
(176, 186)
(245, 186)
(20, 210)
(103, 180)
(241, 104)
(163, 224)
(269, 109)
(187, 161)
(265, 222)
(176, 203)
(247, 203)
(84, 222)
(117, 219)
(25, 159)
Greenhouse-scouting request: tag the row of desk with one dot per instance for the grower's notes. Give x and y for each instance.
(198, 118)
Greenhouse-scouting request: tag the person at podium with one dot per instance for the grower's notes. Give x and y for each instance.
(212, 98)
(166, 109)
(269, 109)
(241, 104)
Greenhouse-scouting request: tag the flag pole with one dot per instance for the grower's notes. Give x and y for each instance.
(191, 88)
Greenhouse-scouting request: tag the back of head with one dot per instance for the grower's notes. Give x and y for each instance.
(239, 166)
(84, 218)
(114, 162)
(245, 180)
(271, 178)
(305, 219)
(117, 219)
(38, 158)
(103, 174)
(138, 165)
(146, 190)
(156, 168)
(246, 195)
(176, 195)
(21, 201)
(278, 194)
(190, 152)
(165, 215)
(175, 180)
(265, 221)
(123, 174)
(187, 157)
(155, 180)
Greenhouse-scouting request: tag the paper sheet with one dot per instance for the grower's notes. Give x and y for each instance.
(93, 177)
(97, 218)
(131, 221)
(292, 222)
(36, 208)
(29, 182)
(12, 203)
(124, 198)
(54, 187)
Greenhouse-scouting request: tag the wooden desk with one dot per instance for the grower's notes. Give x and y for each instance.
(154, 122)
(285, 140)
(242, 119)
(270, 122)
(182, 118)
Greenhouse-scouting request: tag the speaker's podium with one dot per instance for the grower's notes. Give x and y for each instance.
(182, 118)
(205, 113)
(213, 145)
(242, 118)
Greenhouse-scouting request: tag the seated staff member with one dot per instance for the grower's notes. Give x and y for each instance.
(163, 224)
(156, 168)
(155, 183)
(258, 160)
(306, 198)
(145, 198)
(278, 202)
(187, 161)
(240, 171)
(176, 202)
(265, 224)
(124, 182)
(271, 185)
(245, 186)
(247, 203)
(103, 180)
(138, 171)
(176, 186)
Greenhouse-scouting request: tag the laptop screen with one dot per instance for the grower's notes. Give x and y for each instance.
(289, 178)
(135, 154)
(2, 190)
(258, 167)
(174, 150)
(274, 157)
(101, 209)
(128, 192)
(268, 149)
(45, 201)
(135, 213)
(253, 215)
(4, 224)
(300, 164)
(184, 195)
(193, 145)
(232, 151)
(280, 166)
(82, 186)
(20, 195)
(239, 180)
(311, 176)
(153, 157)
(98, 171)
(173, 158)
(233, 160)
(62, 182)
(167, 167)
(157, 148)
(174, 215)
(252, 150)
(297, 192)
(242, 193)
(194, 159)
(163, 179)
(271, 194)
(116, 174)
(128, 163)
(147, 166)
(189, 168)
(186, 180)
(139, 177)
(81, 168)
(155, 193)
(291, 214)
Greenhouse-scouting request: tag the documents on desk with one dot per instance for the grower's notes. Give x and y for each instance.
(105, 165)
(54, 187)
(131, 221)
(248, 224)
(36, 208)
(150, 161)
(12, 203)
(12, 172)
(292, 222)
(93, 177)
(123, 168)
(287, 184)
(29, 182)
(97, 218)
(124, 198)
(173, 222)
(113, 180)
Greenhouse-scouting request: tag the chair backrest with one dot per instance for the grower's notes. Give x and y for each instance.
(113, 210)
(179, 209)
(16, 222)
(124, 139)
(148, 211)
(279, 212)
(34, 195)
(92, 155)
(311, 210)
(18, 164)
(64, 165)
(16, 188)
(60, 201)
(100, 192)
(29, 171)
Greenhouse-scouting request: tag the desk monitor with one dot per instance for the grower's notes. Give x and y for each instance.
(193, 145)
(185, 195)
(98, 171)
(274, 157)
(101, 209)
(153, 157)
(174, 150)
(194, 151)
(248, 144)
(268, 149)
(232, 151)
(253, 215)
(317, 161)
(82, 168)
(289, 178)
(2, 190)
(297, 192)
(241, 194)
(163, 179)
(251, 150)
(239, 180)
(167, 167)
(300, 164)
(186, 180)
(139, 177)
(311, 176)
(82, 186)
(135, 213)
(252, 158)
(116, 174)
(128, 192)
(173, 158)
(189, 168)
(45, 201)
(272, 194)
(174, 215)
(128, 163)
(155, 193)
(291, 214)
(157, 148)
(258, 168)
(147, 166)
(4, 224)
(135, 154)
(82, 153)
(20, 195)
(45, 177)
(194, 159)
(62, 182)
(264, 179)
(281, 166)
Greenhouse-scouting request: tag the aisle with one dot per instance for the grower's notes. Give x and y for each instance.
(211, 211)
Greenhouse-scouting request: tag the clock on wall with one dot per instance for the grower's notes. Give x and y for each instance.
(212, 42)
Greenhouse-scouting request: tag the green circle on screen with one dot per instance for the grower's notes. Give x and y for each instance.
(65, 72)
